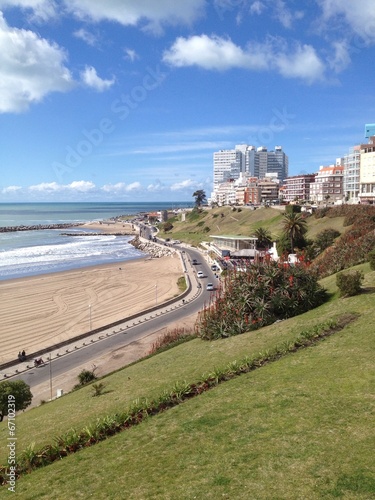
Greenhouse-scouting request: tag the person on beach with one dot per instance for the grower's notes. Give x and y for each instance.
(22, 355)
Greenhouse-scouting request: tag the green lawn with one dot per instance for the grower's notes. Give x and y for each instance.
(299, 428)
(224, 220)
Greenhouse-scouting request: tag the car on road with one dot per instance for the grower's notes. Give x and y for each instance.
(214, 267)
(210, 287)
(200, 274)
(194, 262)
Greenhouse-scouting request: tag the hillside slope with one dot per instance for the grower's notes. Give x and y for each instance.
(226, 221)
(300, 427)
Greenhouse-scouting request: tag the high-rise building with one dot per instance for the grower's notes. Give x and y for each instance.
(351, 163)
(227, 165)
(250, 161)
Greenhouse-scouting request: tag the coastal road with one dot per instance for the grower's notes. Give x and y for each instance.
(131, 332)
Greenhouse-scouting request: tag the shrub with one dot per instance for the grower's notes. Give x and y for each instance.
(171, 339)
(371, 259)
(14, 392)
(259, 296)
(324, 239)
(86, 376)
(98, 389)
(293, 209)
(349, 283)
(167, 226)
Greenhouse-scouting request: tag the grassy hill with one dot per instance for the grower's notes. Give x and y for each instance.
(299, 427)
(224, 221)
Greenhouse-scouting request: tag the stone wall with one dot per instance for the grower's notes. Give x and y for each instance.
(153, 249)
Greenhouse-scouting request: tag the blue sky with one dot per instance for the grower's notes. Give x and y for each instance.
(123, 100)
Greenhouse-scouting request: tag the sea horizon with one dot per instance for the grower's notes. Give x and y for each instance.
(37, 252)
(33, 213)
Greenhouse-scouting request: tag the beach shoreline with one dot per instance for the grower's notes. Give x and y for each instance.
(39, 311)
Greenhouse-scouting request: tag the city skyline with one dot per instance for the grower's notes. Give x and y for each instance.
(129, 100)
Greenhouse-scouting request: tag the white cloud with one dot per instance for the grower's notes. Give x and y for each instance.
(359, 15)
(128, 12)
(215, 53)
(212, 53)
(257, 7)
(90, 78)
(156, 187)
(81, 186)
(285, 15)
(30, 68)
(304, 63)
(121, 187)
(187, 184)
(42, 10)
(53, 187)
(131, 54)
(11, 189)
(134, 186)
(341, 58)
(86, 36)
(46, 187)
(114, 188)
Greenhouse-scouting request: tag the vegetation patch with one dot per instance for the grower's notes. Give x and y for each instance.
(260, 295)
(74, 440)
(171, 339)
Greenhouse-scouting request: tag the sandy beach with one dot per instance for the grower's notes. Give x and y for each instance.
(39, 311)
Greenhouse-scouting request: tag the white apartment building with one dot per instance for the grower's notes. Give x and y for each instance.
(227, 165)
(352, 163)
(367, 172)
(328, 185)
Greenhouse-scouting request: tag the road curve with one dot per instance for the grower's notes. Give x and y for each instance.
(129, 331)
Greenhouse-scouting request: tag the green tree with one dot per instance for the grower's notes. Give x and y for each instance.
(325, 239)
(200, 197)
(264, 237)
(14, 392)
(294, 227)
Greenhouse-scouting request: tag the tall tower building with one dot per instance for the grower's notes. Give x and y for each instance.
(227, 165)
(249, 161)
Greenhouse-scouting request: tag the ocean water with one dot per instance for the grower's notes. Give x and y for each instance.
(30, 253)
(28, 214)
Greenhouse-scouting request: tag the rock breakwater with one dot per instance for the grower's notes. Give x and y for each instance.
(37, 227)
(153, 249)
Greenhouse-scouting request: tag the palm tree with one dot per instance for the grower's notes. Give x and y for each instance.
(200, 197)
(294, 227)
(264, 237)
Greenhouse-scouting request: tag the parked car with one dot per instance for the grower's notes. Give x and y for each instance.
(200, 274)
(210, 287)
